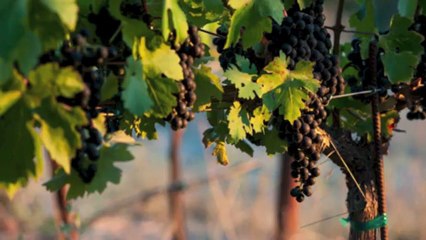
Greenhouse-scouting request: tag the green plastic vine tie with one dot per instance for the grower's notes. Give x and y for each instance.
(378, 222)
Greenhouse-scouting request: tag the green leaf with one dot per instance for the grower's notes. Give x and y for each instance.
(161, 91)
(244, 65)
(220, 152)
(304, 3)
(135, 95)
(46, 24)
(400, 67)
(49, 79)
(273, 143)
(162, 60)
(8, 99)
(287, 90)
(59, 131)
(254, 18)
(67, 11)
(109, 88)
(173, 19)
(244, 147)
(106, 172)
(12, 21)
(407, 8)
(401, 39)
(17, 144)
(208, 87)
(68, 82)
(247, 89)
(363, 19)
(19, 44)
(236, 125)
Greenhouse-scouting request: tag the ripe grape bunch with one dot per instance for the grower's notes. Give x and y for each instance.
(228, 56)
(191, 49)
(302, 36)
(85, 59)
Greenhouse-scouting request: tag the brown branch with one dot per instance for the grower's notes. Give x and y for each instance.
(63, 215)
(338, 28)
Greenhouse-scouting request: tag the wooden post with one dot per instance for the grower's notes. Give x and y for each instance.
(176, 197)
(287, 207)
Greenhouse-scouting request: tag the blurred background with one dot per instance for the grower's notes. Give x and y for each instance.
(233, 202)
(238, 202)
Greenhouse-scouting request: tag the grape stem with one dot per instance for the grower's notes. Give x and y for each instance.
(211, 33)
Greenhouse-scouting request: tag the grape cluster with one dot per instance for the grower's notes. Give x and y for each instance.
(191, 49)
(362, 82)
(302, 36)
(86, 60)
(228, 56)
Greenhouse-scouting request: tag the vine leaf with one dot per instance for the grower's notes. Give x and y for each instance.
(49, 79)
(244, 64)
(19, 44)
(252, 19)
(67, 11)
(203, 12)
(8, 99)
(364, 21)
(287, 90)
(162, 60)
(304, 3)
(106, 172)
(400, 38)
(208, 87)
(173, 19)
(161, 91)
(135, 95)
(220, 152)
(273, 143)
(236, 125)
(17, 144)
(247, 89)
(260, 116)
(58, 130)
(400, 67)
(407, 8)
(244, 147)
(110, 87)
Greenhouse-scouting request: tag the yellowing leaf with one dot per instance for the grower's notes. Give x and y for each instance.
(220, 152)
(66, 9)
(208, 87)
(260, 116)
(59, 131)
(287, 90)
(236, 125)
(7, 100)
(162, 60)
(247, 89)
(173, 18)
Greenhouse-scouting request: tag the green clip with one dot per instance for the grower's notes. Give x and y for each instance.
(377, 222)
